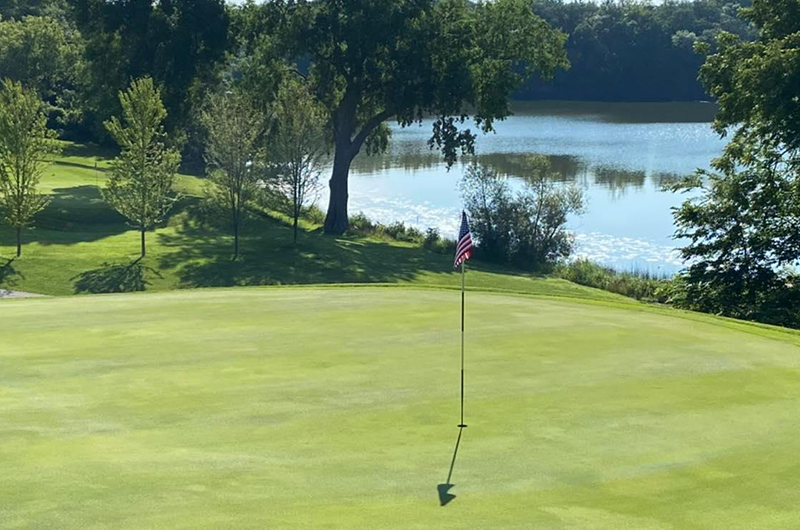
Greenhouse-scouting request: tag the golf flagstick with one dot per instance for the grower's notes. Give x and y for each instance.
(463, 276)
(463, 253)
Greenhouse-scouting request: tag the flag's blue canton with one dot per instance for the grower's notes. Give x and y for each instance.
(464, 244)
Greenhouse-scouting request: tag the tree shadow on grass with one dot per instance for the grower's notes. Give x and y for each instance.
(74, 215)
(114, 279)
(202, 256)
(9, 274)
(88, 150)
(85, 206)
(90, 167)
(78, 204)
(79, 214)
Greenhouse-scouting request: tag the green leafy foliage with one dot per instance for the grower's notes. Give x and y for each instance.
(362, 225)
(527, 229)
(25, 147)
(634, 51)
(620, 51)
(639, 285)
(235, 128)
(140, 187)
(297, 148)
(47, 56)
(179, 43)
(434, 242)
(58, 9)
(743, 229)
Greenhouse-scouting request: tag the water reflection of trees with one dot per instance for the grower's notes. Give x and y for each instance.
(565, 168)
(667, 112)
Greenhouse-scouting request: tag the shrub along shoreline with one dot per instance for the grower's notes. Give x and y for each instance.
(642, 286)
(639, 285)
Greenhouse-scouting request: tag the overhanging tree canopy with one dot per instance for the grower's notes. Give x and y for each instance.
(373, 60)
(743, 230)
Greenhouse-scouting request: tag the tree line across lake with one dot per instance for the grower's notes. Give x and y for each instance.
(633, 51)
(80, 53)
(254, 95)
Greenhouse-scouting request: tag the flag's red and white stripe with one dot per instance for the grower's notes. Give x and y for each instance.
(464, 244)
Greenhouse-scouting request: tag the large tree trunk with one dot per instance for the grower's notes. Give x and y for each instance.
(344, 124)
(19, 242)
(144, 248)
(336, 220)
(348, 143)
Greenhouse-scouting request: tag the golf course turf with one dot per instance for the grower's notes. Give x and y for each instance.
(293, 408)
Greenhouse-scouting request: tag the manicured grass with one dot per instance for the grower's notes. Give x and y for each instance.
(336, 408)
(312, 407)
(80, 245)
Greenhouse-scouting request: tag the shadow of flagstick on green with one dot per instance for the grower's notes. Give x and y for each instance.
(444, 489)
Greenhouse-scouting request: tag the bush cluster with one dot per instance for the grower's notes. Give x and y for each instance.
(526, 229)
(774, 299)
(361, 225)
(314, 214)
(639, 285)
(434, 242)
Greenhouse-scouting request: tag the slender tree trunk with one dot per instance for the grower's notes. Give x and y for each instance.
(296, 215)
(336, 220)
(19, 242)
(144, 248)
(235, 240)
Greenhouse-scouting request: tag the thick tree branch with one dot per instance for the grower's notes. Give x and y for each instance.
(370, 126)
(345, 114)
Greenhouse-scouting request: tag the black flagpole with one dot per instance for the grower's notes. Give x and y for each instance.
(463, 270)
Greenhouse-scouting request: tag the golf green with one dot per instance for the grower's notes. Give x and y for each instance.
(294, 408)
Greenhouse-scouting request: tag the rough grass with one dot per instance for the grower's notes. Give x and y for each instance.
(336, 408)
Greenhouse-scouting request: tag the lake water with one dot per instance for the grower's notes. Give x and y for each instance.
(620, 154)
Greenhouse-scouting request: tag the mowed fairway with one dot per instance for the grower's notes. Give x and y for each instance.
(336, 409)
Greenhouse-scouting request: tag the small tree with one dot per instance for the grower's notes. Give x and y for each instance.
(142, 176)
(297, 148)
(543, 209)
(527, 229)
(489, 202)
(234, 128)
(25, 145)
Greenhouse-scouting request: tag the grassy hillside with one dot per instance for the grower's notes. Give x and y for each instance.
(336, 408)
(80, 245)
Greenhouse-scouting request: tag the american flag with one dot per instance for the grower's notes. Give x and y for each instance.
(464, 245)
